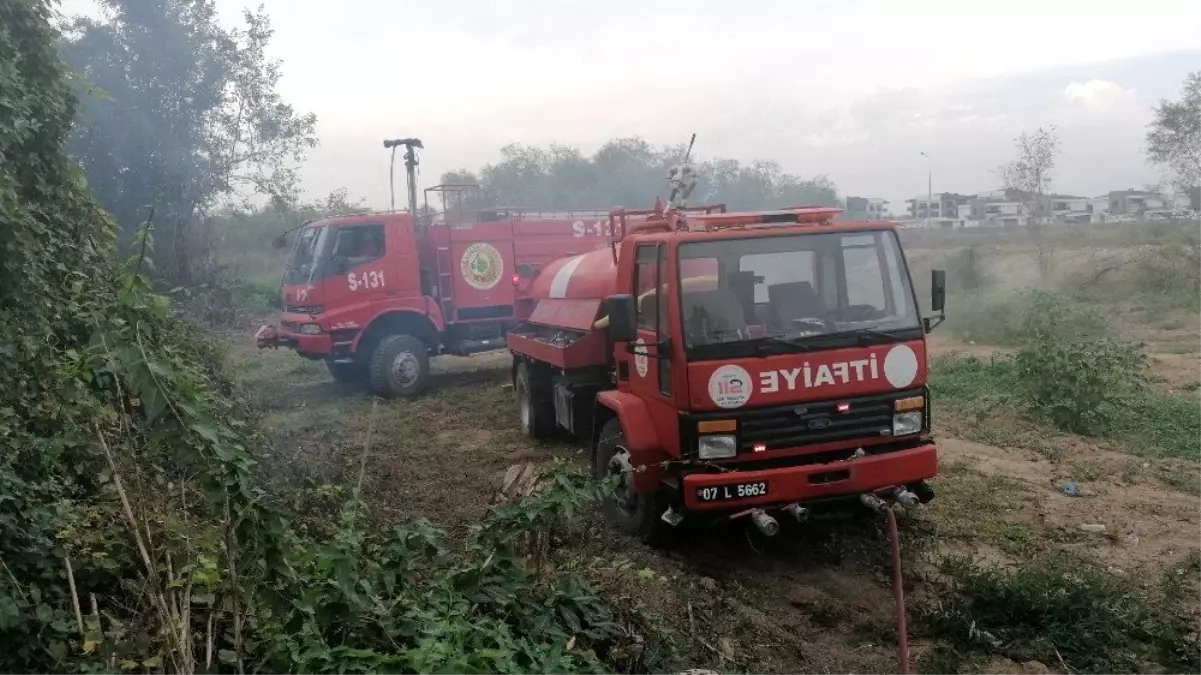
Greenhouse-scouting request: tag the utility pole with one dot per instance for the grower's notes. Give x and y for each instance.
(929, 187)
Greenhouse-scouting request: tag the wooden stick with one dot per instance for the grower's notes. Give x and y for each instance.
(83, 633)
(366, 448)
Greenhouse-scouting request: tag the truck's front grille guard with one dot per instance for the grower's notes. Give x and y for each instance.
(782, 427)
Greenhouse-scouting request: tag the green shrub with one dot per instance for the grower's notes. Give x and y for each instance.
(1083, 386)
(1064, 607)
(134, 532)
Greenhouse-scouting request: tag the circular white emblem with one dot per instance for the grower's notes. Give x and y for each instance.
(900, 366)
(482, 266)
(640, 359)
(730, 386)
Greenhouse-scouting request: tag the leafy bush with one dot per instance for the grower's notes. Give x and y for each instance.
(1064, 607)
(134, 534)
(1012, 319)
(1083, 386)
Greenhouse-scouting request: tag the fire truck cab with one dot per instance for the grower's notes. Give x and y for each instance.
(743, 364)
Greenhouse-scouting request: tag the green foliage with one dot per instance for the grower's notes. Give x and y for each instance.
(1083, 386)
(1095, 388)
(1062, 607)
(1174, 139)
(630, 172)
(1013, 319)
(189, 117)
(408, 601)
(133, 531)
(1171, 275)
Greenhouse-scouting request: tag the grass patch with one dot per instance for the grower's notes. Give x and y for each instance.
(1053, 394)
(1057, 608)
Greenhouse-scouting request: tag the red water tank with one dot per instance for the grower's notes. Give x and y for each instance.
(590, 276)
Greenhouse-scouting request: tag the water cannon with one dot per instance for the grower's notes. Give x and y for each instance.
(682, 178)
(411, 145)
(407, 142)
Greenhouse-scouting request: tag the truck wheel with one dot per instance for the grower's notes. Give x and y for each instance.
(346, 373)
(400, 366)
(632, 513)
(534, 408)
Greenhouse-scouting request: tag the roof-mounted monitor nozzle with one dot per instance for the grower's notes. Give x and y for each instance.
(682, 179)
(411, 146)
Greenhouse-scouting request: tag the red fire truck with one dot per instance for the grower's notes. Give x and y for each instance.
(375, 295)
(742, 364)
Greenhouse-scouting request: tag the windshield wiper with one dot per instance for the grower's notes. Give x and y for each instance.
(858, 336)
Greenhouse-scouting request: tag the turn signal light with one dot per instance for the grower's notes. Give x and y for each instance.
(716, 426)
(911, 403)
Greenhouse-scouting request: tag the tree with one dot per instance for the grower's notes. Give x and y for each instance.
(632, 173)
(187, 118)
(1031, 171)
(1029, 174)
(1174, 139)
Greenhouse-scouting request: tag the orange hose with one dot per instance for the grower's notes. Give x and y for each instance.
(898, 592)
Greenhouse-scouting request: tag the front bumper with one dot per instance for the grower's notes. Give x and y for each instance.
(815, 481)
(313, 346)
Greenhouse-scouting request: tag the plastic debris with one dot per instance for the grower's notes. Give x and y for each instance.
(1071, 490)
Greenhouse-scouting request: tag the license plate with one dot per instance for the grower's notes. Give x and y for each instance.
(720, 493)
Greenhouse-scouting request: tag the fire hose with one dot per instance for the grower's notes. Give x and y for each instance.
(898, 592)
(878, 505)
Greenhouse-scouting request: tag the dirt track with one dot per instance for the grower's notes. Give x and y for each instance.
(814, 600)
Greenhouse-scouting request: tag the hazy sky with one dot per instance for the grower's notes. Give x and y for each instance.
(853, 89)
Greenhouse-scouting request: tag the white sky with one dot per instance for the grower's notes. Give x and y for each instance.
(854, 89)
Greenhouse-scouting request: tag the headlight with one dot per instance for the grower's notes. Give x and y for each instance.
(310, 329)
(905, 424)
(717, 447)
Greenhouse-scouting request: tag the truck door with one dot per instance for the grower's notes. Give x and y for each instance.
(650, 372)
(360, 274)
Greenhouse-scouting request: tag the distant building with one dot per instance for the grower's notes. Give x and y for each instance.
(939, 206)
(866, 208)
(1069, 209)
(1135, 202)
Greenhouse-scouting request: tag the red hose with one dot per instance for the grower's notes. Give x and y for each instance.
(898, 592)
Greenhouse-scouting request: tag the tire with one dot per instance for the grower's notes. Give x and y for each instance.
(535, 409)
(635, 514)
(346, 373)
(399, 367)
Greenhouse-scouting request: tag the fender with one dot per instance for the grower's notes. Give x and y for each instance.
(641, 437)
(425, 308)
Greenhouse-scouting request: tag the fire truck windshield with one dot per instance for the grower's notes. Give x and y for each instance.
(305, 255)
(819, 290)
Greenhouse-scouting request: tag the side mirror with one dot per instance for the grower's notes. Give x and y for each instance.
(938, 290)
(623, 318)
(280, 241)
